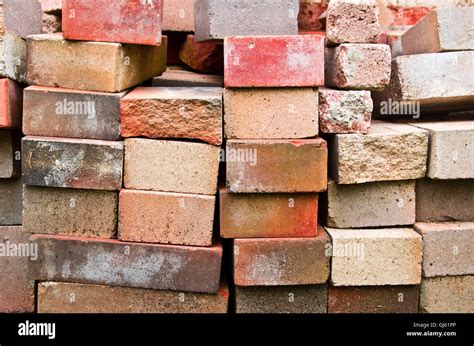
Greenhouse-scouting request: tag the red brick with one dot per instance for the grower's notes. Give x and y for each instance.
(310, 11)
(274, 61)
(178, 15)
(206, 57)
(11, 104)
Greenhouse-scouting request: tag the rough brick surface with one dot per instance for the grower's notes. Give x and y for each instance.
(369, 257)
(171, 166)
(206, 57)
(55, 297)
(74, 113)
(281, 261)
(167, 218)
(115, 263)
(448, 294)
(74, 212)
(177, 78)
(271, 113)
(72, 163)
(10, 154)
(178, 15)
(310, 11)
(14, 54)
(10, 201)
(388, 152)
(173, 113)
(268, 215)
(277, 165)
(11, 101)
(274, 61)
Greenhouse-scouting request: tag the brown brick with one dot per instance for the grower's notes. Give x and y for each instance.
(10, 201)
(447, 294)
(182, 78)
(10, 154)
(205, 57)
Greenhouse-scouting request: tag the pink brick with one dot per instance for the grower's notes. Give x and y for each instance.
(178, 15)
(11, 104)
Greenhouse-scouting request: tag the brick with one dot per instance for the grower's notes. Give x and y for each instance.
(205, 57)
(274, 61)
(271, 113)
(51, 6)
(443, 29)
(74, 113)
(389, 152)
(178, 15)
(378, 204)
(10, 201)
(449, 154)
(188, 79)
(10, 154)
(373, 299)
(161, 112)
(358, 66)
(171, 166)
(343, 111)
(115, 263)
(166, 218)
(74, 212)
(276, 165)
(310, 11)
(216, 19)
(268, 215)
(15, 57)
(448, 294)
(281, 299)
(281, 261)
(448, 248)
(113, 21)
(444, 200)
(375, 257)
(54, 297)
(95, 66)
(353, 21)
(17, 292)
(11, 101)
(72, 163)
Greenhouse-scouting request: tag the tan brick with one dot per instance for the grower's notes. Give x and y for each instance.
(448, 294)
(10, 154)
(181, 78)
(14, 54)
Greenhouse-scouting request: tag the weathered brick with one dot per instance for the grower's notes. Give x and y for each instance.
(167, 218)
(51, 6)
(15, 57)
(191, 113)
(11, 101)
(72, 163)
(216, 19)
(74, 113)
(178, 15)
(443, 29)
(98, 66)
(205, 57)
(135, 22)
(388, 203)
(189, 79)
(281, 299)
(271, 113)
(17, 292)
(375, 257)
(309, 14)
(281, 261)
(277, 165)
(447, 294)
(10, 154)
(75, 212)
(373, 299)
(171, 166)
(444, 200)
(389, 152)
(10, 201)
(343, 111)
(274, 61)
(448, 248)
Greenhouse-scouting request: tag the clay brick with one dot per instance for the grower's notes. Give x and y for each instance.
(57, 211)
(74, 113)
(277, 165)
(171, 166)
(448, 294)
(166, 218)
(216, 19)
(389, 152)
(96, 66)
(192, 113)
(15, 57)
(115, 263)
(51, 6)
(55, 297)
(281, 261)
(135, 22)
(353, 21)
(72, 163)
(373, 299)
(443, 29)
(388, 203)
(274, 61)
(17, 292)
(309, 14)
(10, 201)
(448, 248)
(343, 111)
(268, 215)
(178, 15)
(358, 66)
(188, 79)
(271, 113)
(444, 200)
(281, 299)
(11, 101)
(10, 154)
(205, 57)
(375, 257)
